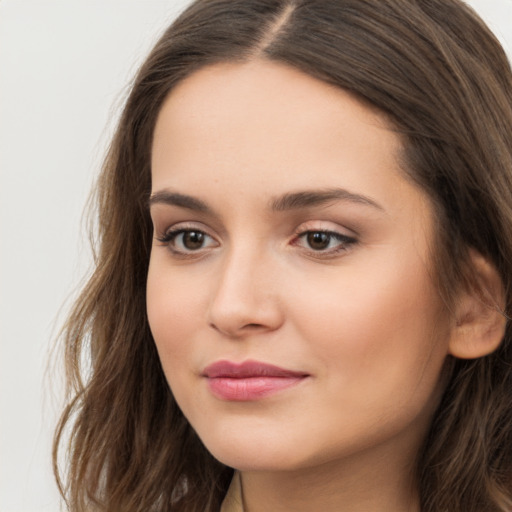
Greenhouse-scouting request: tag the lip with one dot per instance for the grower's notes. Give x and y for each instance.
(250, 380)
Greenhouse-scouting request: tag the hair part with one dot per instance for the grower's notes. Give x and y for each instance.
(435, 70)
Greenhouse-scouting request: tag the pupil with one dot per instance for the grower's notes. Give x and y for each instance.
(193, 239)
(318, 240)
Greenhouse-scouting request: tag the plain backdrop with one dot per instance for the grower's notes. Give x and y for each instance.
(64, 68)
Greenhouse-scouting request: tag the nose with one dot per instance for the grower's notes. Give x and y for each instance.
(245, 300)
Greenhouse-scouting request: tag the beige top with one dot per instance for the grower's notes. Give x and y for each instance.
(233, 500)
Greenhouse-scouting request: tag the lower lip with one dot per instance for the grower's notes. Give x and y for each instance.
(250, 388)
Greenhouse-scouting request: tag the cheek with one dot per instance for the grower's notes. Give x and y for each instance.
(383, 325)
(175, 308)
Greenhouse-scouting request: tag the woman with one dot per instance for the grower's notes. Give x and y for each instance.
(303, 270)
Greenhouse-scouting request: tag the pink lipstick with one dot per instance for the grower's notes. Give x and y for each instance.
(249, 381)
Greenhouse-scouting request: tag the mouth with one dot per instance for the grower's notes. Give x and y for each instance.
(250, 380)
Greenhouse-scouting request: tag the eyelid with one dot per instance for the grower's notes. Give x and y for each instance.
(346, 240)
(326, 227)
(180, 226)
(166, 238)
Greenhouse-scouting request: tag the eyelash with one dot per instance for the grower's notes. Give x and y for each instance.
(344, 244)
(169, 237)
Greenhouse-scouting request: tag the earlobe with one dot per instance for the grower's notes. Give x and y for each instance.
(479, 324)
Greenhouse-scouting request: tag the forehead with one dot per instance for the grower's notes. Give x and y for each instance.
(214, 93)
(266, 128)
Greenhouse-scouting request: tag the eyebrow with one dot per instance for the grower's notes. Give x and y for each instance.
(181, 200)
(309, 198)
(286, 202)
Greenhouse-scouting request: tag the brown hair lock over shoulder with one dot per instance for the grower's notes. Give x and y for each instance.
(440, 75)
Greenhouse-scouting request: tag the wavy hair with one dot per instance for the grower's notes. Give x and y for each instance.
(440, 75)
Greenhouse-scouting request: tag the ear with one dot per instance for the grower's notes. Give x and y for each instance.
(480, 322)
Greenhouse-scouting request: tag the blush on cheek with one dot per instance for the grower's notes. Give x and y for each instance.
(378, 317)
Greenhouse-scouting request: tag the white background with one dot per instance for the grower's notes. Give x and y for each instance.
(64, 68)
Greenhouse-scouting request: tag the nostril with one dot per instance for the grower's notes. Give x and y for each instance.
(237, 331)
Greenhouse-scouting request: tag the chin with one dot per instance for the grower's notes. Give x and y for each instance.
(254, 460)
(256, 453)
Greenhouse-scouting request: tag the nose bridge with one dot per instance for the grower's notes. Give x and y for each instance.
(245, 296)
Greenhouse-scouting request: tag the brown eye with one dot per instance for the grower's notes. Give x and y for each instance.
(325, 243)
(192, 240)
(183, 241)
(318, 240)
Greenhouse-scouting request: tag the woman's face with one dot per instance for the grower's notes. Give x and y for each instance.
(289, 291)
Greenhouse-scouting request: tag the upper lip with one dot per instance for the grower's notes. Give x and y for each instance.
(248, 369)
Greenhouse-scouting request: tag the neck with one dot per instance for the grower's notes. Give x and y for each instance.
(375, 482)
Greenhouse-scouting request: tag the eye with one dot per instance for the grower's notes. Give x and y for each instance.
(327, 242)
(187, 240)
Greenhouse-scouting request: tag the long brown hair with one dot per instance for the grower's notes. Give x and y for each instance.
(440, 75)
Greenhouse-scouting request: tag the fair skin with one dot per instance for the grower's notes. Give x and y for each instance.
(337, 289)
